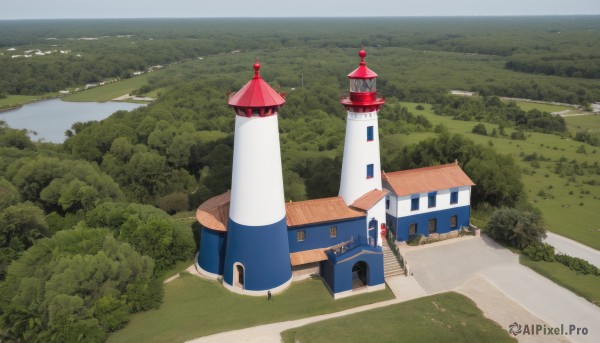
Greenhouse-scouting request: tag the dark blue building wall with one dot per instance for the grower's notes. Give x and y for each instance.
(212, 250)
(317, 235)
(463, 214)
(337, 270)
(263, 252)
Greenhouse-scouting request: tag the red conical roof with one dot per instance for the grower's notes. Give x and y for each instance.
(362, 72)
(256, 94)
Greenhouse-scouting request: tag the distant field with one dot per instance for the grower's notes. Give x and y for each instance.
(16, 100)
(446, 317)
(110, 91)
(579, 123)
(527, 106)
(193, 307)
(587, 286)
(569, 204)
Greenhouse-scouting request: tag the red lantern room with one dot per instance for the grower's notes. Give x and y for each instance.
(363, 95)
(256, 98)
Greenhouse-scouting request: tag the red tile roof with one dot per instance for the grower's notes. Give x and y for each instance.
(214, 212)
(319, 211)
(369, 200)
(308, 256)
(426, 179)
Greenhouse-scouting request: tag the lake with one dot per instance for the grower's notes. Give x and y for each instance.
(51, 118)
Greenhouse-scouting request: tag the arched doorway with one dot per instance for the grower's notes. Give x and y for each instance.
(238, 275)
(360, 270)
(373, 231)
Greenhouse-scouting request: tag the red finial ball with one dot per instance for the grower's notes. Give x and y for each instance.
(256, 67)
(362, 53)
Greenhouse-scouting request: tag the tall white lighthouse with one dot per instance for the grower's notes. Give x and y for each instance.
(361, 167)
(258, 257)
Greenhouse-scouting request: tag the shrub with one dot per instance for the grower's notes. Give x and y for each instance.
(416, 240)
(539, 252)
(578, 265)
(517, 228)
(480, 129)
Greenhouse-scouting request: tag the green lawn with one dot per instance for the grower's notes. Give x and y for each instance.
(110, 91)
(587, 286)
(578, 123)
(569, 204)
(527, 106)
(446, 317)
(193, 307)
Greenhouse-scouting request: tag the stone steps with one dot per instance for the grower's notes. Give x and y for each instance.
(391, 267)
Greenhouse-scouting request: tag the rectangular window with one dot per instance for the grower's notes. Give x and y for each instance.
(453, 222)
(432, 225)
(369, 133)
(454, 197)
(412, 229)
(300, 235)
(387, 203)
(370, 171)
(431, 199)
(414, 204)
(332, 231)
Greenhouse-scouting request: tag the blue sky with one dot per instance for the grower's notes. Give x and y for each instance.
(38, 9)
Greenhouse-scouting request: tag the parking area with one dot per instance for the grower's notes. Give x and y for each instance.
(454, 264)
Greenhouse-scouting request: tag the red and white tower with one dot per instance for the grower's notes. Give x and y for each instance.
(361, 167)
(258, 257)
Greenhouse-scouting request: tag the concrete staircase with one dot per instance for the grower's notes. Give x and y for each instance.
(391, 267)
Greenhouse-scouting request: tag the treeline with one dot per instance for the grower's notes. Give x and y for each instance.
(487, 41)
(493, 110)
(574, 64)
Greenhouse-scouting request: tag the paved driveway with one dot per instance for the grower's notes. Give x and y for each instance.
(570, 247)
(451, 264)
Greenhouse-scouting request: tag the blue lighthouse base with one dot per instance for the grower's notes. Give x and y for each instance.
(257, 258)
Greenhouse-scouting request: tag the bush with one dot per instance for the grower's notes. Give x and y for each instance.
(480, 129)
(520, 135)
(538, 252)
(420, 107)
(517, 228)
(415, 240)
(578, 265)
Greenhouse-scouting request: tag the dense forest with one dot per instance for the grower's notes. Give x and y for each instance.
(86, 227)
(101, 49)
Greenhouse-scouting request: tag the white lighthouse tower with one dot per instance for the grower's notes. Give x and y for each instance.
(361, 167)
(258, 257)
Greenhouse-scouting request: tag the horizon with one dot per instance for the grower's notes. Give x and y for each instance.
(180, 9)
(315, 17)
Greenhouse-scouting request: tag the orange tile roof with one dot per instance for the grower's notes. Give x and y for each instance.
(214, 212)
(308, 256)
(426, 179)
(319, 211)
(369, 200)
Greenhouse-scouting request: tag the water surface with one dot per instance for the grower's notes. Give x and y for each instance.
(51, 118)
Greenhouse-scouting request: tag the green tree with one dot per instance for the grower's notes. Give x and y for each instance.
(480, 129)
(72, 287)
(9, 194)
(517, 228)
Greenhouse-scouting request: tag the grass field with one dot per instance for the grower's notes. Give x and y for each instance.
(587, 286)
(17, 100)
(578, 123)
(446, 317)
(527, 106)
(194, 307)
(569, 204)
(110, 91)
